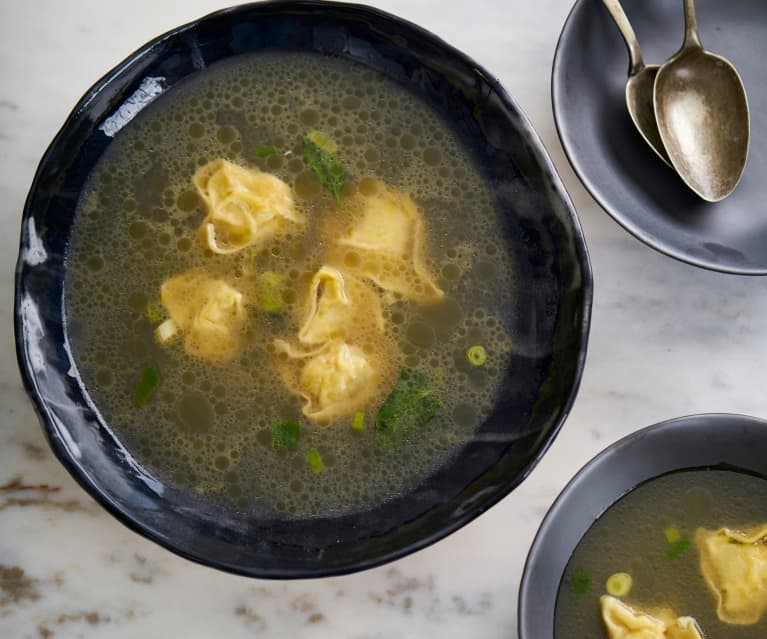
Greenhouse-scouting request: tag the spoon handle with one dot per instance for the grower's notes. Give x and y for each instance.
(624, 26)
(691, 36)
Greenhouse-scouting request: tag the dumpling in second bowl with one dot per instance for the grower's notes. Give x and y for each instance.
(734, 565)
(625, 622)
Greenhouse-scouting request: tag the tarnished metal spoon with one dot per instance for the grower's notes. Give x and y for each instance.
(701, 111)
(639, 87)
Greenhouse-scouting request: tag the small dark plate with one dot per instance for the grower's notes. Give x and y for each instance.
(553, 291)
(614, 163)
(715, 441)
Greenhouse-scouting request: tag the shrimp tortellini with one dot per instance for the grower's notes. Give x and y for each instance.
(245, 206)
(208, 311)
(624, 622)
(390, 236)
(734, 565)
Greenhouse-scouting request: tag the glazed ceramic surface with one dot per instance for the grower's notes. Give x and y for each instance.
(723, 442)
(633, 185)
(552, 289)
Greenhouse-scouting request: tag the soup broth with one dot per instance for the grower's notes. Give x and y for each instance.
(208, 426)
(650, 535)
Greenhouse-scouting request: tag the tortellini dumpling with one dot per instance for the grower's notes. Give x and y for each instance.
(336, 380)
(624, 622)
(337, 304)
(208, 312)
(734, 565)
(390, 237)
(245, 206)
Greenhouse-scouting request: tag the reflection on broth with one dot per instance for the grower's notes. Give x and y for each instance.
(676, 558)
(283, 287)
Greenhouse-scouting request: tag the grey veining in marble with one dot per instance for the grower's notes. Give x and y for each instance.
(667, 339)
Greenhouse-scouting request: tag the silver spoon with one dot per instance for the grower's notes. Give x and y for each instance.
(639, 87)
(701, 111)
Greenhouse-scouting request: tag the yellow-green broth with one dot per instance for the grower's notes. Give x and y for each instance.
(208, 427)
(630, 538)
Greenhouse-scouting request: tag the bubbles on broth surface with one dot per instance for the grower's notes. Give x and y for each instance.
(208, 427)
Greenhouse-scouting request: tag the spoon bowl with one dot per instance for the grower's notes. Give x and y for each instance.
(641, 83)
(702, 116)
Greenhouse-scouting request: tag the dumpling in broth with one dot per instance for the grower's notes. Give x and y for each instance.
(338, 304)
(734, 565)
(245, 206)
(624, 622)
(390, 238)
(209, 313)
(336, 380)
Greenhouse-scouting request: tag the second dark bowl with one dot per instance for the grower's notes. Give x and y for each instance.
(727, 442)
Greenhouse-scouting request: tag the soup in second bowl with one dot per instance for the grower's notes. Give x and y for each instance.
(682, 556)
(287, 287)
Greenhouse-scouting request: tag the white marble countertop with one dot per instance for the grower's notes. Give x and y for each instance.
(667, 339)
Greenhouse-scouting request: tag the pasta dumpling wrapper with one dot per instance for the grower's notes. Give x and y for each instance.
(624, 622)
(390, 235)
(209, 312)
(338, 304)
(336, 380)
(734, 565)
(245, 206)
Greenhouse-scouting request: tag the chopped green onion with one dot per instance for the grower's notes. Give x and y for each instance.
(154, 313)
(322, 140)
(477, 355)
(678, 548)
(672, 534)
(580, 582)
(166, 331)
(146, 386)
(358, 423)
(265, 151)
(315, 461)
(270, 291)
(285, 435)
(619, 584)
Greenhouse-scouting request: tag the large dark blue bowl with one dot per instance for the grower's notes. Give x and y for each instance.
(553, 288)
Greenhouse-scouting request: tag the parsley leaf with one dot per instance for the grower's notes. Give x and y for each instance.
(580, 582)
(285, 435)
(678, 548)
(326, 166)
(410, 406)
(146, 386)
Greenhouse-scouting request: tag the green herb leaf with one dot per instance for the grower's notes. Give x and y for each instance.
(410, 406)
(265, 151)
(678, 548)
(315, 461)
(146, 386)
(285, 435)
(328, 169)
(358, 423)
(580, 582)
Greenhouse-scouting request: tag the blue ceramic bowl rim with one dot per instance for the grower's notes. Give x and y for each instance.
(680, 427)
(542, 159)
